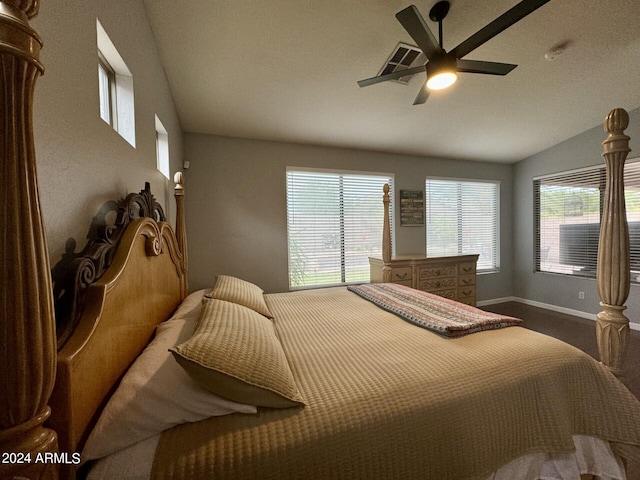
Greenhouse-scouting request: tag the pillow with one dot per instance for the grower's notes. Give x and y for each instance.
(238, 291)
(235, 353)
(156, 394)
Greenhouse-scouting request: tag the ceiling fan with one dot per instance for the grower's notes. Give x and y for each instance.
(442, 67)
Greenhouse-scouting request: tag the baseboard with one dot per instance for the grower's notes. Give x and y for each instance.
(548, 306)
(494, 301)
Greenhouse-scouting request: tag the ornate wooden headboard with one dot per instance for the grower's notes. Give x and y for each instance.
(76, 271)
(140, 289)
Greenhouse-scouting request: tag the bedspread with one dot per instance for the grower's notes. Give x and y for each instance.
(386, 399)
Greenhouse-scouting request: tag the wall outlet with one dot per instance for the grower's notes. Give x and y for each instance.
(581, 295)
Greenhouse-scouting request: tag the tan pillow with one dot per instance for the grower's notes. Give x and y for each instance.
(156, 394)
(235, 353)
(239, 291)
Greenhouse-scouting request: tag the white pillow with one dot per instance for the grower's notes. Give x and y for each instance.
(156, 393)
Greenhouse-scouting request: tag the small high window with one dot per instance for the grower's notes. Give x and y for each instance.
(162, 148)
(107, 86)
(115, 85)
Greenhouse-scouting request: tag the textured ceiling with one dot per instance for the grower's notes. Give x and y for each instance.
(286, 70)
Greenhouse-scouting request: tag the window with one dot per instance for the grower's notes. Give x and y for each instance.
(107, 87)
(162, 148)
(115, 88)
(567, 210)
(462, 217)
(334, 224)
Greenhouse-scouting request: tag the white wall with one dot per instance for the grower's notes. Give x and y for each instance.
(82, 162)
(561, 290)
(236, 205)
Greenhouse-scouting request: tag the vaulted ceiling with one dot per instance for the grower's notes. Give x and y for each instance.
(286, 70)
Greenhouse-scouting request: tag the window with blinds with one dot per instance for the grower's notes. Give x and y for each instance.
(334, 224)
(567, 211)
(463, 217)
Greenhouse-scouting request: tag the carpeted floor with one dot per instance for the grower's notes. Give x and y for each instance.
(578, 332)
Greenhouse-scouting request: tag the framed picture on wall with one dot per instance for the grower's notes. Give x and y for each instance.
(411, 208)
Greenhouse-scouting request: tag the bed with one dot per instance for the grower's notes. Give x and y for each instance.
(314, 384)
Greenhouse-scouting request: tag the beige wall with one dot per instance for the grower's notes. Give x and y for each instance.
(82, 162)
(236, 205)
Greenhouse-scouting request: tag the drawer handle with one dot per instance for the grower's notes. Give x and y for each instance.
(466, 294)
(402, 277)
(467, 269)
(467, 281)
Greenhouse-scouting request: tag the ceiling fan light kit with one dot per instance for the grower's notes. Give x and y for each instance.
(443, 67)
(441, 80)
(441, 73)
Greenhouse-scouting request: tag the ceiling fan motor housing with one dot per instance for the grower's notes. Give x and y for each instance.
(441, 64)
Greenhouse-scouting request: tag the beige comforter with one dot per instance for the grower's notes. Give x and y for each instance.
(386, 399)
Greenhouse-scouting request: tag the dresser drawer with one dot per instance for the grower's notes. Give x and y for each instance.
(467, 269)
(448, 293)
(434, 272)
(402, 274)
(469, 291)
(437, 283)
(466, 280)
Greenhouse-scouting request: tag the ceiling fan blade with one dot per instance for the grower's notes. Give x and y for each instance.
(392, 76)
(423, 94)
(489, 68)
(500, 24)
(415, 25)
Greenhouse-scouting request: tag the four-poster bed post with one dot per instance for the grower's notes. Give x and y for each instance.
(613, 270)
(386, 236)
(27, 326)
(181, 232)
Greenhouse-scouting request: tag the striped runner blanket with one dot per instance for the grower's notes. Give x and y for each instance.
(441, 315)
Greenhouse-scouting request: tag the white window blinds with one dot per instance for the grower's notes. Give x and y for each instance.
(334, 224)
(567, 210)
(462, 217)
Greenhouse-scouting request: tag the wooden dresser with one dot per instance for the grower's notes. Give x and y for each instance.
(449, 277)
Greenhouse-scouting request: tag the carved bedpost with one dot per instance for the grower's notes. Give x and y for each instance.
(181, 228)
(386, 237)
(613, 250)
(27, 326)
